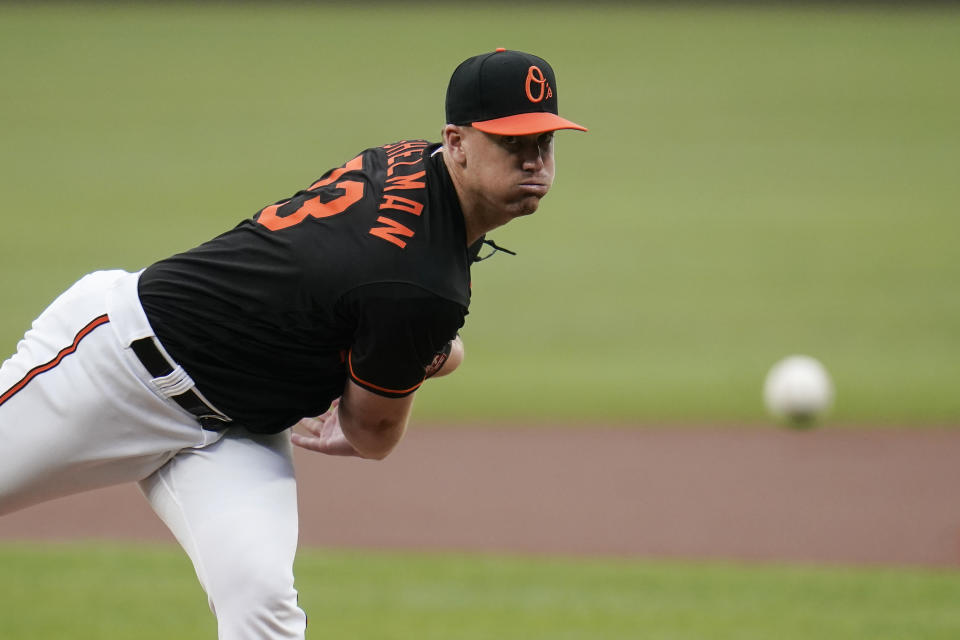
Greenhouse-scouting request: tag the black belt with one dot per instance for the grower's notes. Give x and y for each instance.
(190, 400)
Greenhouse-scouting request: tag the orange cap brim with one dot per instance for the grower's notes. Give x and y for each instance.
(525, 124)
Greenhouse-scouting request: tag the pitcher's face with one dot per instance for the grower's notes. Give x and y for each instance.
(509, 174)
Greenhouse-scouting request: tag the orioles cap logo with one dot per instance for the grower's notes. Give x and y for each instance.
(535, 77)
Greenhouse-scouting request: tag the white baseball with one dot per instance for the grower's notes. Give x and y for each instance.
(798, 388)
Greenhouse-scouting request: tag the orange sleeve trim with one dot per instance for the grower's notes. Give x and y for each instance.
(364, 383)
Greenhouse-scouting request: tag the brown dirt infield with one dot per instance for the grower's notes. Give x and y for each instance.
(836, 496)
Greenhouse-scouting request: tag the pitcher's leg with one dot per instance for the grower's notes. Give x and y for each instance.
(233, 508)
(74, 415)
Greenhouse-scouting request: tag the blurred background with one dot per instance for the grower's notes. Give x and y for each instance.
(757, 181)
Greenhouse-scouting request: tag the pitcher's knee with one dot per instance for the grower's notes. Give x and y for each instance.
(257, 603)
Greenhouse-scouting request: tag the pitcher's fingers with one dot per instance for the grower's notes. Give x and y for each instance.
(306, 442)
(312, 425)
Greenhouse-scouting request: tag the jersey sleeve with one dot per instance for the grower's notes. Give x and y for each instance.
(402, 331)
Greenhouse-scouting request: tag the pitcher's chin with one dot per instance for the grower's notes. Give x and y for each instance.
(528, 205)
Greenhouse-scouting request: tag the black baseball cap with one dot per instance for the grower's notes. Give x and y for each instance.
(507, 93)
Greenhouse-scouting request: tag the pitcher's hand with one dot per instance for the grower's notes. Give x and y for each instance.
(323, 434)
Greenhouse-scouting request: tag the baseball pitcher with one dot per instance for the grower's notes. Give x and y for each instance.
(324, 312)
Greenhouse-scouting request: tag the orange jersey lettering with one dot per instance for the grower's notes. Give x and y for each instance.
(405, 148)
(393, 166)
(406, 182)
(401, 204)
(271, 217)
(391, 231)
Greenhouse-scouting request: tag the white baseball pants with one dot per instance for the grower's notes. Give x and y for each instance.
(79, 411)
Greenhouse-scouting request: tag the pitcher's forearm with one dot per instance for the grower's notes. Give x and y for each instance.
(373, 424)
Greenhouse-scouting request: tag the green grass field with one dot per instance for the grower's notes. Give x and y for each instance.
(92, 591)
(756, 182)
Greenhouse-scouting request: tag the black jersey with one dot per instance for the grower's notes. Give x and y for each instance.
(364, 274)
